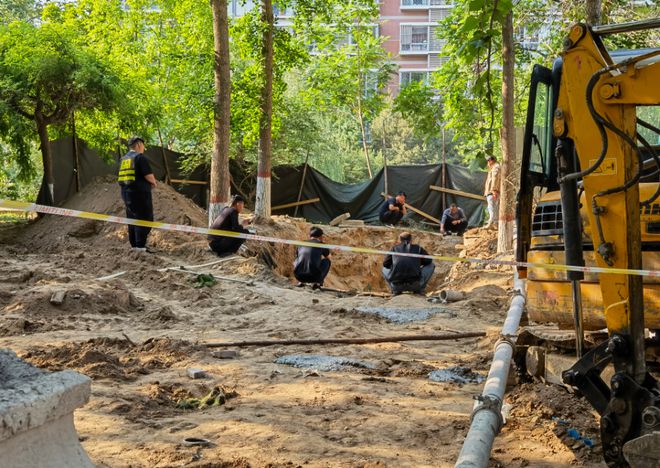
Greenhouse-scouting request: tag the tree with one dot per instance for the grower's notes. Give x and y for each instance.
(262, 201)
(220, 177)
(594, 11)
(46, 77)
(351, 74)
(507, 140)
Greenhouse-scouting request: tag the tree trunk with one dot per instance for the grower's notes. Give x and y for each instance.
(220, 178)
(262, 202)
(363, 129)
(47, 158)
(508, 141)
(594, 11)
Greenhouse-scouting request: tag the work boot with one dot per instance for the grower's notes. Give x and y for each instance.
(300, 285)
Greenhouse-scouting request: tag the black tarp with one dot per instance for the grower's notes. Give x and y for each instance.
(91, 165)
(363, 200)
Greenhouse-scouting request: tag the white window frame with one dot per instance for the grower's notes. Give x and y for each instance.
(415, 51)
(413, 70)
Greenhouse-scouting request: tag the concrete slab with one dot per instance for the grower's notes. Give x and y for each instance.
(36, 415)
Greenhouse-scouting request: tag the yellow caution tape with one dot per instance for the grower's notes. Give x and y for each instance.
(26, 206)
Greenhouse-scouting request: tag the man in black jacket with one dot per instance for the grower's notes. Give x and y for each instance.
(404, 273)
(136, 180)
(227, 220)
(312, 263)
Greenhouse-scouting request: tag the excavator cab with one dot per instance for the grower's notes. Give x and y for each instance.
(588, 196)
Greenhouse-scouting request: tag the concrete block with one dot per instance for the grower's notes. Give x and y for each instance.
(36, 415)
(58, 297)
(225, 354)
(196, 373)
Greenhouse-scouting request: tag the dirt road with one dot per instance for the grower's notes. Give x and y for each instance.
(137, 335)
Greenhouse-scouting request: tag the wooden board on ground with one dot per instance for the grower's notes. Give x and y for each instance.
(457, 192)
(291, 205)
(417, 210)
(339, 219)
(352, 223)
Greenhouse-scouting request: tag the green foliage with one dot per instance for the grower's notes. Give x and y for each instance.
(45, 75)
(420, 104)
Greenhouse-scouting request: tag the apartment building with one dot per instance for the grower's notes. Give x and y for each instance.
(411, 30)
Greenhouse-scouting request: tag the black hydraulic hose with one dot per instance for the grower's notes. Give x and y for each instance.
(648, 125)
(600, 122)
(655, 157)
(601, 128)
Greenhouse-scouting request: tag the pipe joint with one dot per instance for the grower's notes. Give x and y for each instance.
(489, 403)
(507, 339)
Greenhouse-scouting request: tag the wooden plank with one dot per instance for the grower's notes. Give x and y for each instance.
(457, 192)
(186, 181)
(417, 210)
(289, 205)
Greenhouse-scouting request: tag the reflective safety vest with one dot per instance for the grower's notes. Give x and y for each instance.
(127, 169)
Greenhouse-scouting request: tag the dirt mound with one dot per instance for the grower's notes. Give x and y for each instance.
(349, 271)
(53, 234)
(112, 358)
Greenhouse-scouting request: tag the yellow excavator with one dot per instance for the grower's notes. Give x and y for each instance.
(589, 197)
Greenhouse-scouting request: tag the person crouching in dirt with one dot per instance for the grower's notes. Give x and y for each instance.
(407, 273)
(453, 220)
(228, 220)
(312, 263)
(136, 180)
(393, 209)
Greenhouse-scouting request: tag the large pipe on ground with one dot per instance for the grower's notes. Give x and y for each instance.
(486, 415)
(449, 295)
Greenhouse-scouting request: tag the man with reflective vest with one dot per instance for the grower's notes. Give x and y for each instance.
(136, 180)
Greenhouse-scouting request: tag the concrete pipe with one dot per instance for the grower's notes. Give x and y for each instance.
(448, 295)
(486, 415)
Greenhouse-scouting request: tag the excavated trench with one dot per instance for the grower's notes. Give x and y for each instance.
(354, 271)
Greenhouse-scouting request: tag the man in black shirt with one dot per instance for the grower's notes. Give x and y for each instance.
(136, 180)
(227, 220)
(453, 220)
(407, 273)
(393, 209)
(312, 263)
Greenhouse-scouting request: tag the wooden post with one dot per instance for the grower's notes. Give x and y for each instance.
(76, 156)
(458, 192)
(302, 184)
(168, 177)
(386, 187)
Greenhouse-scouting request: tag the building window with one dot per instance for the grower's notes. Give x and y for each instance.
(414, 3)
(407, 77)
(414, 38)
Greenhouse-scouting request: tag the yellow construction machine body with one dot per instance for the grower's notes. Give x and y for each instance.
(590, 195)
(549, 295)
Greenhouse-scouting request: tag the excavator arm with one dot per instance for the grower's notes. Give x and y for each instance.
(595, 122)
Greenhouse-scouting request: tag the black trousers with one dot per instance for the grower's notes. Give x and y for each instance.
(225, 245)
(457, 228)
(320, 277)
(391, 217)
(139, 205)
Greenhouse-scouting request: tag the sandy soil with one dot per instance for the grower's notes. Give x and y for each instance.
(137, 334)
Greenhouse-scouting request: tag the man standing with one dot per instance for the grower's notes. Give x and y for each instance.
(404, 273)
(393, 209)
(312, 263)
(228, 220)
(453, 220)
(492, 191)
(136, 180)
